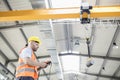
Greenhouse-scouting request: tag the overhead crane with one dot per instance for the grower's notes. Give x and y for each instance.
(59, 13)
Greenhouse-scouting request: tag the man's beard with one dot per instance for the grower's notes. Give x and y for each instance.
(34, 50)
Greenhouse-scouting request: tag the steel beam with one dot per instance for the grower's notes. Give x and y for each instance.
(23, 33)
(7, 4)
(94, 56)
(59, 13)
(68, 35)
(84, 55)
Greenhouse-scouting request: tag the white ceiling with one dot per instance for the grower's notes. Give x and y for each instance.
(63, 41)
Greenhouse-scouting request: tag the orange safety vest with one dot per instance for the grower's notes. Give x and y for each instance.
(25, 69)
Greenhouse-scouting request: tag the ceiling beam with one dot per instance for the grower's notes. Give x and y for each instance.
(68, 34)
(59, 13)
(115, 21)
(23, 33)
(7, 4)
(94, 56)
(84, 55)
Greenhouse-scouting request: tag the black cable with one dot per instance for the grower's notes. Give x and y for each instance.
(45, 74)
(88, 42)
(50, 70)
(48, 77)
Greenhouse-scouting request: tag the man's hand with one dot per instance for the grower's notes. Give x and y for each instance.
(43, 64)
(48, 62)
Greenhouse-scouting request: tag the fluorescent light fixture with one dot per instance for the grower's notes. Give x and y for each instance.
(65, 3)
(70, 63)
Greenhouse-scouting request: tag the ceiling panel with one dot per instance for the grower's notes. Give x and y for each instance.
(102, 39)
(17, 40)
(83, 48)
(93, 2)
(115, 51)
(15, 63)
(37, 4)
(59, 31)
(6, 50)
(11, 68)
(51, 77)
(89, 77)
(82, 31)
(83, 66)
(110, 67)
(43, 78)
(61, 46)
(104, 78)
(109, 2)
(3, 6)
(20, 4)
(60, 37)
(2, 60)
(118, 75)
(65, 3)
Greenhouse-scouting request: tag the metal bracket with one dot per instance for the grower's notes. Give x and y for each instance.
(85, 8)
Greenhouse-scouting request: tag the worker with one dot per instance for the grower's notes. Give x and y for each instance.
(28, 66)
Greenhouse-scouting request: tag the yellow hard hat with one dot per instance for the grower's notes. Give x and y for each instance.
(34, 38)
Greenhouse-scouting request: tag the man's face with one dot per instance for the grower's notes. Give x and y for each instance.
(34, 45)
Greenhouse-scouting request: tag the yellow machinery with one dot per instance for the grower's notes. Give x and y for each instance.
(59, 13)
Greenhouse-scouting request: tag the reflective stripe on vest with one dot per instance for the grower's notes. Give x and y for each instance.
(21, 64)
(25, 69)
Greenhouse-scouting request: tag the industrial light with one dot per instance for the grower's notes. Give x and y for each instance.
(70, 63)
(77, 42)
(115, 45)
